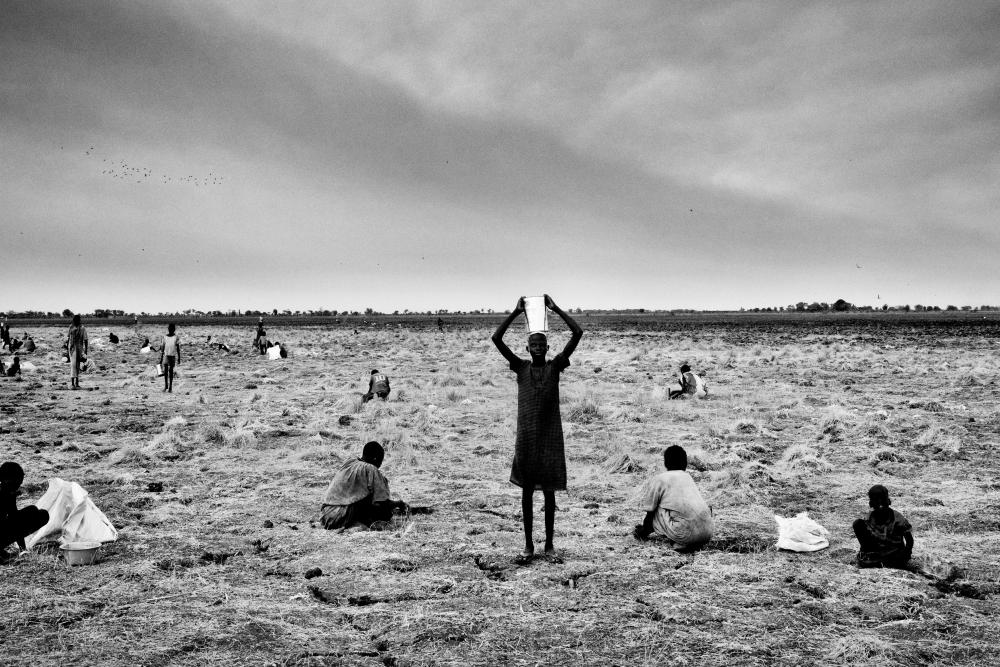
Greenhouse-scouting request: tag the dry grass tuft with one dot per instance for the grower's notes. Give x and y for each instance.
(802, 457)
(623, 462)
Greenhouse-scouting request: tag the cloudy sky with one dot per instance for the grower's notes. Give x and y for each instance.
(411, 155)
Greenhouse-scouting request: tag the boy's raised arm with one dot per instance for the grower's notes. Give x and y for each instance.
(577, 332)
(502, 329)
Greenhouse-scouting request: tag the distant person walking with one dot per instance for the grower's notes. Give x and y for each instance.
(77, 348)
(539, 460)
(170, 356)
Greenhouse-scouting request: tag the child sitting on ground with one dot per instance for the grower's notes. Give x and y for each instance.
(688, 384)
(885, 537)
(674, 507)
(378, 385)
(15, 524)
(358, 495)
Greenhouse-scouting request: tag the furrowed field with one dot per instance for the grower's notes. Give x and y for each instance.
(804, 415)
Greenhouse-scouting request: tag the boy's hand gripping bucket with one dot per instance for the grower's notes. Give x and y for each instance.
(536, 314)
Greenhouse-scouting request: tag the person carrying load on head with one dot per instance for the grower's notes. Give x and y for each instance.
(539, 460)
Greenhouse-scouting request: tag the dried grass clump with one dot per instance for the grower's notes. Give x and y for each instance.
(802, 457)
(700, 460)
(240, 437)
(885, 454)
(450, 380)
(174, 423)
(167, 446)
(626, 413)
(350, 405)
(211, 433)
(130, 455)
(623, 462)
(941, 442)
(583, 411)
(454, 396)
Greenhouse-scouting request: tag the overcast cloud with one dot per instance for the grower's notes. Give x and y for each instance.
(161, 156)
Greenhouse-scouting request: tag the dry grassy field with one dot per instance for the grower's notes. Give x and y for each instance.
(804, 415)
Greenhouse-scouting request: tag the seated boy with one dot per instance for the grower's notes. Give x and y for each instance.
(885, 537)
(358, 495)
(674, 507)
(688, 384)
(16, 524)
(378, 385)
(15, 367)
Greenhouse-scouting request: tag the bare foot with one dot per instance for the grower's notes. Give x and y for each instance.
(549, 549)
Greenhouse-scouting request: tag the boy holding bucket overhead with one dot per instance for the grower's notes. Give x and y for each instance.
(539, 461)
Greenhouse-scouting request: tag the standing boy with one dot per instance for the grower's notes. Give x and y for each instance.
(170, 356)
(77, 348)
(539, 460)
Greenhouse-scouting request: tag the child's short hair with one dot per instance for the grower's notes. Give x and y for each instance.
(12, 471)
(374, 371)
(538, 334)
(685, 368)
(675, 458)
(878, 496)
(372, 451)
(171, 327)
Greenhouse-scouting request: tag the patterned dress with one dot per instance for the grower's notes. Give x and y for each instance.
(539, 460)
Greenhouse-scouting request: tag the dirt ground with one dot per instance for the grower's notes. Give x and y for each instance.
(803, 415)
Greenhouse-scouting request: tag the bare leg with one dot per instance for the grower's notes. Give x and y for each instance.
(527, 515)
(550, 519)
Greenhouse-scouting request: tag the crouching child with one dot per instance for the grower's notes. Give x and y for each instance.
(675, 509)
(15, 524)
(358, 495)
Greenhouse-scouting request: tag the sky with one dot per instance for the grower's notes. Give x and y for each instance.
(161, 156)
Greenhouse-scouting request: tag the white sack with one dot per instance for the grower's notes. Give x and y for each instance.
(800, 533)
(72, 515)
(274, 353)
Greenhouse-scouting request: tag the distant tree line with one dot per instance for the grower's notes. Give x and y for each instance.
(840, 306)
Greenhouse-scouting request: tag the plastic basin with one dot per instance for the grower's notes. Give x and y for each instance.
(80, 553)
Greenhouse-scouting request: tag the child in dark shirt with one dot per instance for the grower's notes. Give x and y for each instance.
(378, 385)
(16, 524)
(885, 537)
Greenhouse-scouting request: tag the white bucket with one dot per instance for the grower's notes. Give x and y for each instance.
(80, 553)
(536, 315)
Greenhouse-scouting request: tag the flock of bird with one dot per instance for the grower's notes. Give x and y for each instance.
(125, 172)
